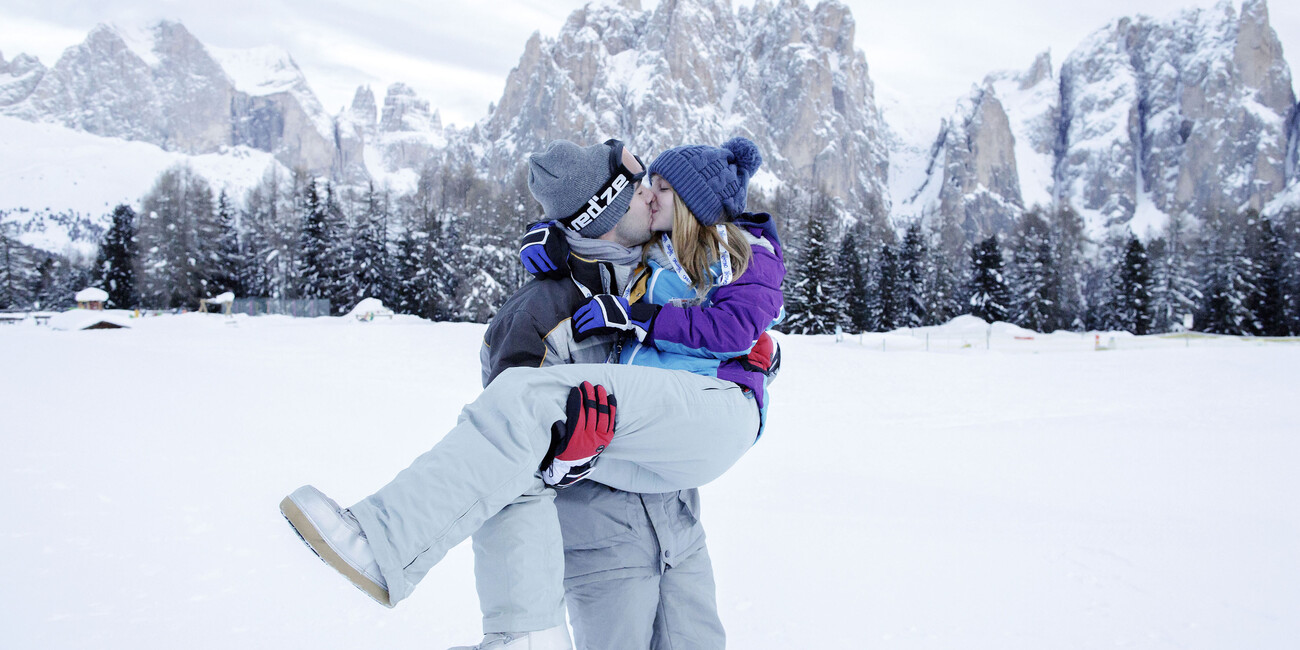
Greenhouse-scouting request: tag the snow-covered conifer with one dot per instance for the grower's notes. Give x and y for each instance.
(1267, 250)
(816, 307)
(225, 272)
(1133, 293)
(1174, 292)
(370, 258)
(117, 260)
(1034, 277)
(175, 229)
(990, 298)
(852, 277)
(915, 274)
(1228, 277)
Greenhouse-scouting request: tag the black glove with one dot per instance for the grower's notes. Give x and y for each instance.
(545, 251)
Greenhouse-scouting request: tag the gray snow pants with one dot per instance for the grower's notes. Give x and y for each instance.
(673, 610)
(674, 430)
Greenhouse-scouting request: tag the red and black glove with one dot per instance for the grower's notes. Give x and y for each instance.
(764, 357)
(578, 440)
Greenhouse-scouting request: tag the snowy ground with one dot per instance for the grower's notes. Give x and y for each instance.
(1035, 494)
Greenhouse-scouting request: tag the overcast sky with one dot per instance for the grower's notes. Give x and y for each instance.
(457, 54)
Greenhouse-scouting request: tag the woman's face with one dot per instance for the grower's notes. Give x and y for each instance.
(662, 205)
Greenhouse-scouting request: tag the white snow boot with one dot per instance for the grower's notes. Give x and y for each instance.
(556, 638)
(335, 536)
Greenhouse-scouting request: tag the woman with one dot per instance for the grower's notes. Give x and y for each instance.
(705, 321)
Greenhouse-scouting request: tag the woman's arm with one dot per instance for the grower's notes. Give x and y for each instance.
(741, 311)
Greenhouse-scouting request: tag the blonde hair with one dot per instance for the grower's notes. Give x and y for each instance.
(697, 246)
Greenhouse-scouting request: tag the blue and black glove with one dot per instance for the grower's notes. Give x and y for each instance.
(545, 251)
(609, 313)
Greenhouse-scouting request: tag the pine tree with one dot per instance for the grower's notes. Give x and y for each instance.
(411, 286)
(117, 261)
(948, 278)
(815, 308)
(1033, 277)
(225, 260)
(312, 264)
(1289, 228)
(56, 280)
(990, 297)
(888, 301)
(915, 277)
(1174, 292)
(1267, 250)
(370, 250)
(1229, 277)
(1068, 240)
(1099, 282)
(853, 282)
(11, 294)
(339, 282)
(176, 235)
(1133, 294)
(271, 233)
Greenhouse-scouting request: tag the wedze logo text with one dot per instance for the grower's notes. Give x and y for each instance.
(598, 203)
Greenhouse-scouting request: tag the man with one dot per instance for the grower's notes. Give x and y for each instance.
(637, 572)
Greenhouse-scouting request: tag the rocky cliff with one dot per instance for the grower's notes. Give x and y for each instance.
(162, 86)
(1146, 118)
(785, 75)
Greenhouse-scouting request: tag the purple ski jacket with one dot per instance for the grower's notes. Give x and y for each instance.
(711, 337)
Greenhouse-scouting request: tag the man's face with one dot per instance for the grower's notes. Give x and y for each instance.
(634, 228)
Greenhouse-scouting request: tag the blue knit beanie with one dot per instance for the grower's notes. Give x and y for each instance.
(710, 180)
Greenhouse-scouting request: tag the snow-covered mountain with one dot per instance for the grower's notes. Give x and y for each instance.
(162, 86)
(1146, 117)
(784, 74)
(1193, 113)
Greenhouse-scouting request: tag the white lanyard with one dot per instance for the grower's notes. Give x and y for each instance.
(725, 277)
(632, 277)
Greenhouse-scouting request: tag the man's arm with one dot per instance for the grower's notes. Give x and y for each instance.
(513, 340)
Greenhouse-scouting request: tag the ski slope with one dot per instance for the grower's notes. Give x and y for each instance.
(1009, 494)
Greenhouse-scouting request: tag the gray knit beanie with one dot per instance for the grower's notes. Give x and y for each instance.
(565, 178)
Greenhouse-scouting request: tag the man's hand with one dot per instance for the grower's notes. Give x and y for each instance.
(578, 440)
(545, 251)
(608, 313)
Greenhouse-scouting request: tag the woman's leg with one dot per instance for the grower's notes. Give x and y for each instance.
(674, 430)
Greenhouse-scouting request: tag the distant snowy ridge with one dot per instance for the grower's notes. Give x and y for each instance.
(1146, 117)
(1194, 113)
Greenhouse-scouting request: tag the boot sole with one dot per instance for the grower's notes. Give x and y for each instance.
(310, 536)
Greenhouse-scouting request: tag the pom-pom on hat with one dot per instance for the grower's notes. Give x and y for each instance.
(711, 181)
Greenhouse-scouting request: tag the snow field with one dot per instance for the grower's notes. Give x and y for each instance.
(1138, 498)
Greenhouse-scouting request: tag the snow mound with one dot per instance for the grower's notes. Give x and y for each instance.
(89, 319)
(91, 294)
(369, 308)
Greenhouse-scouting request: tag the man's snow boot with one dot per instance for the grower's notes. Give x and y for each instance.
(556, 638)
(335, 536)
